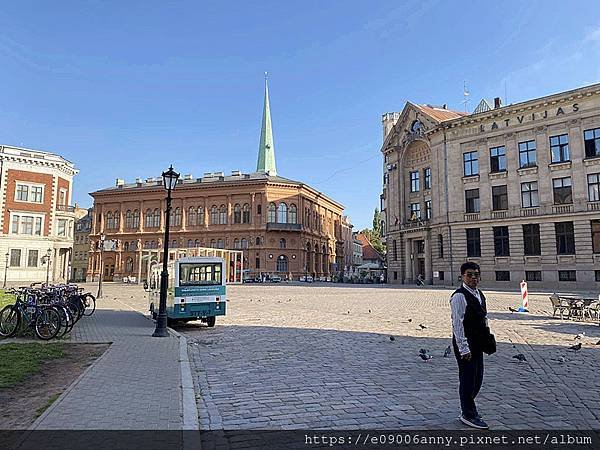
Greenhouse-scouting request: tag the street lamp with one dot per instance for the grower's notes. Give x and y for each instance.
(169, 182)
(5, 269)
(102, 239)
(48, 255)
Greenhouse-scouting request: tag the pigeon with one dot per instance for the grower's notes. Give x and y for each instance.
(425, 357)
(392, 338)
(598, 343)
(421, 326)
(348, 312)
(520, 357)
(369, 311)
(409, 320)
(448, 351)
(423, 351)
(579, 336)
(575, 347)
(512, 309)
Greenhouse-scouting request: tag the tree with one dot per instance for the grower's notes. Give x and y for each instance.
(377, 223)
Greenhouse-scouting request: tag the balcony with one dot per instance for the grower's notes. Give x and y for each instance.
(414, 224)
(499, 214)
(528, 212)
(562, 209)
(471, 217)
(593, 206)
(272, 226)
(65, 208)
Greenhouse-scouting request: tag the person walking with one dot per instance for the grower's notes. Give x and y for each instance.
(471, 338)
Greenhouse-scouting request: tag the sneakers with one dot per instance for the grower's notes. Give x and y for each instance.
(475, 422)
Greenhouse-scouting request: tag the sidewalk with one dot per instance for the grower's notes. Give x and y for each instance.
(135, 385)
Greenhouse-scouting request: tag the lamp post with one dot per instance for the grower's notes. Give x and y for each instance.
(48, 256)
(169, 182)
(5, 269)
(102, 239)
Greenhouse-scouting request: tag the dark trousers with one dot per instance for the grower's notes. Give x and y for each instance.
(470, 375)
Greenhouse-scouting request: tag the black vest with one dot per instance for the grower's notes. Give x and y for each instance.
(476, 330)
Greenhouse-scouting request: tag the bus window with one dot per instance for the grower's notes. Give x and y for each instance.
(199, 274)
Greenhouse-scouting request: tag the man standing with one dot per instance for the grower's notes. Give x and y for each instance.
(470, 339)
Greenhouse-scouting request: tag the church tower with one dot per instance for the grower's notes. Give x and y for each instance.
(266, 148)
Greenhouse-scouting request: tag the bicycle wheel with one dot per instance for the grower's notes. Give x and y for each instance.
(90, 304)
(10, 321)
(47, 323)
(66, 323)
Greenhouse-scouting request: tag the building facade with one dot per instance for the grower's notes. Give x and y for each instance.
(36, 223)
(514, 188)
(81, 246)
(283, 226)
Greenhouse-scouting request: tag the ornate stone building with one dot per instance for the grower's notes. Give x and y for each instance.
(284, 227)
(81, 246)
(515, 188)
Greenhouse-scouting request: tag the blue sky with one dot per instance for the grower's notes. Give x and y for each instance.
(123, 88)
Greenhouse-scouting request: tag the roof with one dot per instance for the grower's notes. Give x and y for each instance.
(440, 114)
(369, 252)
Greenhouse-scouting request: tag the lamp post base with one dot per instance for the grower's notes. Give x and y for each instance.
(161, 326)
(162, 332)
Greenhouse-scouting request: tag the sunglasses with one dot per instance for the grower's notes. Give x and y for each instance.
(473, 274)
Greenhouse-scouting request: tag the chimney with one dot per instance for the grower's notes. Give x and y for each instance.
(444, 106)
(138, 180)
(236, 173)
(497, 103)
(188, 177)
(119, 182)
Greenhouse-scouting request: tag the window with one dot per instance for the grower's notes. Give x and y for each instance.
(214, 215)
(222, 215)
(427, 178)
(282, 243)
(440, 246)
(414, 181)
(272, 215)
(562, 191)
(420, 247)
(531, 240)
(293, 216)
(37, 194)
(244, 243)
(470, 163)
(395, 275)
(594, 187)
(595, 235)
(567, 275)
(415, 211)
(499, 198)
(15, 257)
(29, 193)
(501, 241)
(257, 240)
(427, 209)
(597, 275)
(472, 200)
(149, 220)
(246, 213)
(200, 216)
(156, 218)
(502, 275)
(282, 263)
(32, 258)
(592, 142)
(259, 209)
(62, 227)
(191, 216)
(473, 242)
(527, 154)
(533, 275)
(498, 159)
(529, 194)
(441, 276)
(236, 243)
(29, 225)
(220, 243)
(395, 250)
(237, 213)
(565, 238)
(559, 148)
(22, 194)
(128, 219)
(177, 216)
(282, 213)
(257, 262)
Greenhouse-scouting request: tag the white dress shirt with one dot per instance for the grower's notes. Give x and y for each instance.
(458, 305)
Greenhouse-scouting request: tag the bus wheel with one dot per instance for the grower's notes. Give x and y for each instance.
(210, 321)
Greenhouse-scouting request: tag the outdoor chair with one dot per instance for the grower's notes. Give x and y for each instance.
(560, 305)
(592, 310)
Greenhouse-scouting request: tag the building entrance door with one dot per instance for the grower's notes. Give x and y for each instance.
(109, 271)
(421, 267)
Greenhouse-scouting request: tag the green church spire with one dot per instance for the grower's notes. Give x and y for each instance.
(266, 148)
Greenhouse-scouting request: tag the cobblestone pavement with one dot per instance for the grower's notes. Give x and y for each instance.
(135, 385)
(320, 356)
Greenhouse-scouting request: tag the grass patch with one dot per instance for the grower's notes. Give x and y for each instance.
(18, 361)
(43, 408)
(6, 299)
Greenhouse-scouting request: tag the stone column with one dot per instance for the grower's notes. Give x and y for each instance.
(428, 266)
(409, 262)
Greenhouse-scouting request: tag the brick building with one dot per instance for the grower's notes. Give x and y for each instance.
(37, 220)
(283, 226)
(514, 188)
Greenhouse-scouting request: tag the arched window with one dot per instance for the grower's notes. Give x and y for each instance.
(109, 220)
(222, 215)
(136, 219)
(214, 215)
(191, 218)
(282, 213)
(257, 240)
(146, 244)
(236, 243)
(200, 218)
(293, 215)
(126, 246)
(128, 219)
(282, 263)
(244, 243)
(176, 217)
(149, 220)
(197, 243)
(213, 243)
(237, 213)
(272, 218)
(190, 243)
(129, 265)
(174, 243)
(220, 243)
(246, 213)
(156, 218)
(282, 243)
(133, 245)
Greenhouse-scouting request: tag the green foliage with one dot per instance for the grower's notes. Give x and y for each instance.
(6, 299)
(18, 361)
